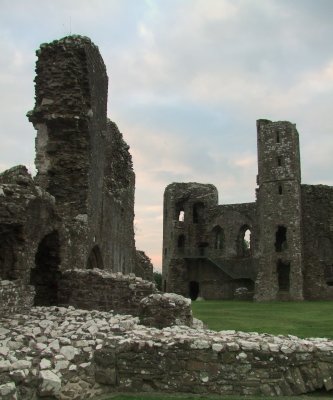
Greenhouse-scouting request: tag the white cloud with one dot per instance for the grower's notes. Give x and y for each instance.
(188, 79)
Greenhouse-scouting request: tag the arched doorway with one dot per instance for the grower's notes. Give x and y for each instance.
(194, 289)
(95, 259)
(45, 276)
(244, 242)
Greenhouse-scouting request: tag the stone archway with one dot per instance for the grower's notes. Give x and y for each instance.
(45, 276)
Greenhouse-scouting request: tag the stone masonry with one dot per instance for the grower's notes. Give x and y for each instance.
(78, 212)
(277, 248)
(67, 353)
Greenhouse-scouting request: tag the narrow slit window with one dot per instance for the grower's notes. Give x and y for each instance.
(280, 189)
(277, 137)
(181, 216)
(279, 161)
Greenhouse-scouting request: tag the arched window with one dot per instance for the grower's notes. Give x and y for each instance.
(198, 212)
(180, 212)
(218, 237)
(244, 242)
(95, 259)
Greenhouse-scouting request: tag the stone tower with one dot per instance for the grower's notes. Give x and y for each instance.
(279, 212)
(185, 213)
(81, 157)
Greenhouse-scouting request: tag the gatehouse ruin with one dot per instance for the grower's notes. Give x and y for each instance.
(290, 252)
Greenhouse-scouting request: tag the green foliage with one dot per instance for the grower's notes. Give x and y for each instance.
(158, 280)
(303, 319)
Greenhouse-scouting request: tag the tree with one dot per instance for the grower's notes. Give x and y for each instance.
(158, 280)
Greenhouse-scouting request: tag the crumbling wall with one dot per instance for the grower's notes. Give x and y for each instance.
(101, 290)
(27, 216)
(317, 236)
(215, 363)
(15, 297)
(81, 157)
(144, 266)
(203, 243)
(67, 353)
(161, 310)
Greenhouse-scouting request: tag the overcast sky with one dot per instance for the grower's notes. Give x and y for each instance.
(187, 81)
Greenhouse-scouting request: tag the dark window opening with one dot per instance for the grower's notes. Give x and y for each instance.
(95, 259)
(277, 137)
(280, 189)
(244, 245)
(11, 238)
(328, 273)
(218, 237)
(279, 161)
(283, 273)
(281, 239)
(165, 251)
(194, 290)
(202, 248)
(198, 212)
(45, 276)
(181, 242)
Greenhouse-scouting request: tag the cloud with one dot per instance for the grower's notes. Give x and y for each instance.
(187, 82)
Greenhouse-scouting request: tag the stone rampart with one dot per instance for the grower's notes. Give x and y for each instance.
(66, 353)
(101, 290)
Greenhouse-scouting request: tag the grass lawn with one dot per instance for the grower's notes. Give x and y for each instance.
(193, 397)
(303, 319)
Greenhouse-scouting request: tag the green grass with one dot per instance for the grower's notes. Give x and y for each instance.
(193, 397)
(303, 319)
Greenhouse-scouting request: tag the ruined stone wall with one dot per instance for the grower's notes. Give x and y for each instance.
(15, 297)
(144, 266)
(81, 157)
(100, 290)
(235, 220)
(115, 225)
(184, 223)
(317, 235)
(279, 212)
(27, 216)
(204, 254)
(67, 353)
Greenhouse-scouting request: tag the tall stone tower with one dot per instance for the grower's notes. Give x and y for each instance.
(279, 212)
(81, 157)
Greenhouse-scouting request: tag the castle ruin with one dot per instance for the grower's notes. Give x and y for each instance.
(78, 212)
(290, 252)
